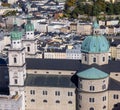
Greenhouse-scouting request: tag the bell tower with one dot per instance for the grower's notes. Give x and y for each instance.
(29, 41)
(17, 65)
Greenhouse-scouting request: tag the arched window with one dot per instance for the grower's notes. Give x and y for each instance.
(103, 59)
(32, 100)
(15, 81)
(28, 49)
(69, 102)
(15, 60)
(91, 108)
(45, 101)
(57, 101)
(104, 107)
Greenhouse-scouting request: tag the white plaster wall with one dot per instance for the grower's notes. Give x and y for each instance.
(51, 99)
(50, 72)
(96, 83)
(98, 103)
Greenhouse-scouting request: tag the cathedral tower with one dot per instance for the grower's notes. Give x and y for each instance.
(17, 65)
(30, 42)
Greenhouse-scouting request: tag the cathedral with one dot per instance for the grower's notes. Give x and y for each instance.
(54, 84)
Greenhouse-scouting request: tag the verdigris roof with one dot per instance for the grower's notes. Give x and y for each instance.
(95, 44)
(29, 26)
(16, 34)
(92, 73)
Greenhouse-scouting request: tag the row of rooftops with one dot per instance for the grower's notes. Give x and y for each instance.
(67, 65)
(59, 42)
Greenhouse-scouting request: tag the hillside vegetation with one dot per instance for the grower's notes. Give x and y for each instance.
(73, 8)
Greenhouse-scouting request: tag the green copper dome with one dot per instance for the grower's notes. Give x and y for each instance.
(29, 26)
(16, 34)
(92, 73)
(95, 44)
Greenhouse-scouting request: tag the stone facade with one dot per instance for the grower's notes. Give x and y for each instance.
(96, 58)
(47, 98)
(51, 72)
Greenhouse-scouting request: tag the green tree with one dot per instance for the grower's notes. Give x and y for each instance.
(117, 8)
(109, 8)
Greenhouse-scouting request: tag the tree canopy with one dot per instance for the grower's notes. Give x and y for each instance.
(73, 8)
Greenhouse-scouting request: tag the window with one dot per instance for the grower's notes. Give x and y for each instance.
(85, 58)
(80, 80)
(69, 102)
(104, 86)
(94, 59)
(32, 100)
(115, 105)
(115, 96)
(45, 101)
(57, 101)
(32, 92)
(59, 72)
(15, 81)
(104, 107)
(28, 49)
(92, 88)
(103, 59)
(44, 92)
(70, 94)
(91, 100)
(15, 60)
(57, 93)
(72, 73)
(79, 106)
(104, 98)
(91, 108)
(16, 92)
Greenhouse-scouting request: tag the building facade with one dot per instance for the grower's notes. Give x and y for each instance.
(55, 84)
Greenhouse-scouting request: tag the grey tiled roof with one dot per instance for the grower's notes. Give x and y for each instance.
(73, 65)
(52, 64)
(114, 85)
(49, 81)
